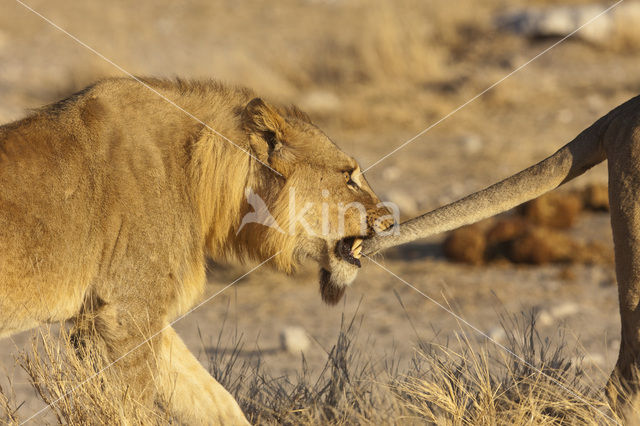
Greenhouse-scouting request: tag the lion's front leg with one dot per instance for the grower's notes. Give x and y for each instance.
(190, 392)
(128, 339)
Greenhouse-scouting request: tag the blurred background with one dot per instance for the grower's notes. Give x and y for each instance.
(373, 74)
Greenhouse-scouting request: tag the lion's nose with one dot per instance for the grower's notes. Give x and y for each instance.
(379, 220)
(383, 224)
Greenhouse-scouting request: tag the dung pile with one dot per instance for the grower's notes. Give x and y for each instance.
(535, 234)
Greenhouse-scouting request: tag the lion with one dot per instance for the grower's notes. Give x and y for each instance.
(112, 199)
(615, 137)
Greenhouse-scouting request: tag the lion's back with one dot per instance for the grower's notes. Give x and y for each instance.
(85, 189)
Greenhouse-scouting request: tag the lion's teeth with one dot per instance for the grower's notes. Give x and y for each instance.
(356, 243)
(356, 252)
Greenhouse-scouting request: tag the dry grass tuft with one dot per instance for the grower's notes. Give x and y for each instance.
(348, 390)
(489, 386)
(77, 386)
(453, 384)
(8, 407)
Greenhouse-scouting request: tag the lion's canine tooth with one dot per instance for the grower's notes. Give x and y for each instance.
(356, 252)
(357, 243)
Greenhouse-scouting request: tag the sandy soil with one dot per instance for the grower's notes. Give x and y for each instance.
(326, 57)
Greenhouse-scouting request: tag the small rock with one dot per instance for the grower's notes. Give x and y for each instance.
(294, 339)
(564, 310)
(471, 144)
(591, 360)
(551, 316)
(545, 319)
(497, 334)
(560, 21)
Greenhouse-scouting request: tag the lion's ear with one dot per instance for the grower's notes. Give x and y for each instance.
(266, 129)
(262, 119)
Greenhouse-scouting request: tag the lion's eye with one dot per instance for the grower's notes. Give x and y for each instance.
(350, 182)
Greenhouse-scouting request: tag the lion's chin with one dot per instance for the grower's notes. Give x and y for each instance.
(333, 284)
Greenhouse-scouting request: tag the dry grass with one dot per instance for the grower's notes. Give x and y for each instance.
(76, 384)
(391, 65)
(460, 383)
(491, 387)
(351, 388)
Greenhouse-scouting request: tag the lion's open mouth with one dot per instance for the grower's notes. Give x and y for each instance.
(350, 250)
(335, 280)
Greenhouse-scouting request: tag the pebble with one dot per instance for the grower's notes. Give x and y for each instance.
(497, 334)
(564, 310)
(471, 144)
(544, 319)
(552, 315)
(590, 360)
(294, 339)
(559, 21)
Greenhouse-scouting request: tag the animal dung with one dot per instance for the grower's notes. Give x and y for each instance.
(467, 245)
(534, 235)
(538, 245)
(555, 210)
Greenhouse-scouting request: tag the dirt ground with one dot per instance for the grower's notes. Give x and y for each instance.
(372, 75)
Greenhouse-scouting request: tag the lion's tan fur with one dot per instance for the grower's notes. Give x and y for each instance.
(111, 200)
(615, 137)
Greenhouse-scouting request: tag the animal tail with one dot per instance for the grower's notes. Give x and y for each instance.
(570, 161)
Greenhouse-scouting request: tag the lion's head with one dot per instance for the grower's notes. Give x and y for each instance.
(307, 199)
